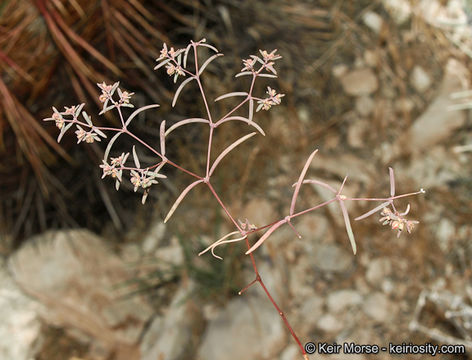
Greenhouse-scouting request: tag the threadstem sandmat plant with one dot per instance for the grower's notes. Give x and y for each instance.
(142, 177)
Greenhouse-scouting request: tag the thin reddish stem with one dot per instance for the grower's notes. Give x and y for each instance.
(282, 315)
(292, 216)
(197, 77)
(210, 139)
(258, 277)
(388, 198)
(254, 76)
(121, 115)
(247, 286)
(253, 261)
(224, 207)
(207, 108)
(160, 155)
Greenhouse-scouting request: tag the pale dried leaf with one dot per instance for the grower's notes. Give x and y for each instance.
(177, 93)
(180, 198)
(373, 211)
(236, 93)
(99, 132)
(185, 122)
(350, 234)
(161, 64)
(392, 181)
(135, 158)
(251, 109)
(187, 49)
(162, 135)
(266, 235)
(300, 180)
(241, 118)
(317, 182)
(210, 47)
(110, 144)
(217, 242)
(228, 149)
(108, 108)
(137, 111)
(208, 61)
(244, 73)
(87, 118)
(267, 76)
(63, 131)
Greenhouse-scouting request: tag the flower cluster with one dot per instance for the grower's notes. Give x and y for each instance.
(88, 136)
(267, 62)
(397, 221)
(273, 99)
(172, 69)
(65, 119)
(144, 179)
(246, 225)
(124, 96)
(115, 168)
(249, 64)
(270, 57)
(107, 91)
(172, 59)
(59, 117)
(106, 96)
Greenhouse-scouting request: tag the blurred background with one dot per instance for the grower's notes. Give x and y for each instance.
(90, 273)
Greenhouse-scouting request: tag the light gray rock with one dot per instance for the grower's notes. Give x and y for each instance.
(388, 286)
(332, 258)
(343, 299)
(444, 233)
(309, 313)
(301, 277)
(170, 255)
(438, 122)
(365, 105)
(358, 169)
(378, 307)
(169, 336)
(330, 323)
(76, 277)
(377, 270)
(312, 227)
(356, 133)
(373, 21)
(420, 79)
(404, 105)
(371, 58)
(154, 237)
(436, 167)
(360, 82)
(339, 70)
(400, 10)
(291, 352)
(20, 328)
(249, 328)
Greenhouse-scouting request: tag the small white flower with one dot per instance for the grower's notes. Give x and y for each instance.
(248, 64)
(170, 69)
(164, 52)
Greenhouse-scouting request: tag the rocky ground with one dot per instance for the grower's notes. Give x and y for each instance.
(72, 295)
